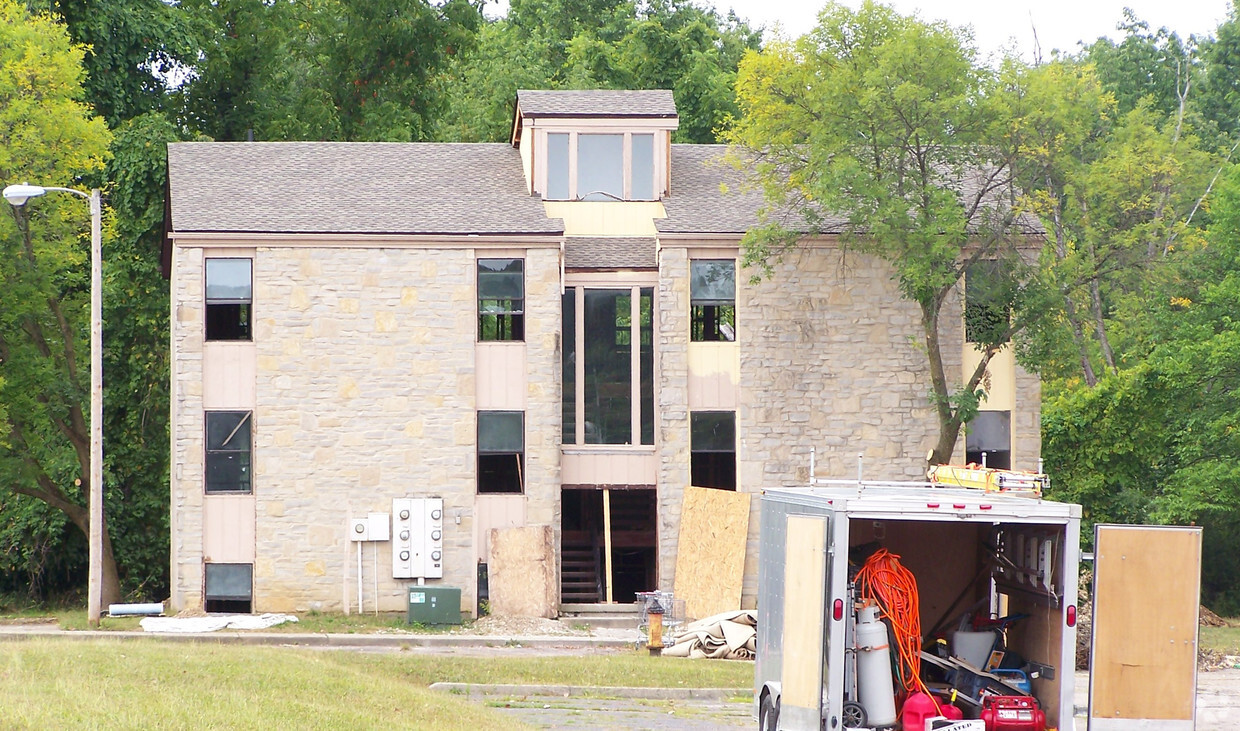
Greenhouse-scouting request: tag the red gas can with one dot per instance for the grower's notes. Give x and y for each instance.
(1012, 713)
(917, 708)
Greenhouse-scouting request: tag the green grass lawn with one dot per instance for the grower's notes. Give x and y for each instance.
(1224, 639)
(60, 683)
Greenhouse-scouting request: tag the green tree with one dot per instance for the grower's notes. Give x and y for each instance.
(882, 127)
(50, 137)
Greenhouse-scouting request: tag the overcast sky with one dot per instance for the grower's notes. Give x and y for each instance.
(1060, 23)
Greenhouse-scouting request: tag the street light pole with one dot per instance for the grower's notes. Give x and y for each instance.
(18, 195)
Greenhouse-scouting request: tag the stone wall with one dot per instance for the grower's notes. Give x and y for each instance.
(186, 428)
(365, 393)
(672, 402)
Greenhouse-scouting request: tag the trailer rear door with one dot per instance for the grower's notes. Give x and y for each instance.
(1143, 664)
(805, 607)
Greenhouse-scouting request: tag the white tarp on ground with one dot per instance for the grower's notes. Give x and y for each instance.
(726, 636)
(215, 622)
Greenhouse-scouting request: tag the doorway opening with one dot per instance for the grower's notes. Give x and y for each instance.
(589, 517)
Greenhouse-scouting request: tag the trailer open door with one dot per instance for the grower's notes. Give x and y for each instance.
(1143, 662)
(805, 608)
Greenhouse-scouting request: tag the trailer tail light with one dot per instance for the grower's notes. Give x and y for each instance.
(958, 506)
(932, 505)
(837, 610)
(1071, 615)
(983, 507)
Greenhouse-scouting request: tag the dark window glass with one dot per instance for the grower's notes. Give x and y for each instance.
(228, 451)
(557, 166)
(712, 443)
(608, 390)
(642, 168)
(600, 167)
(568, 344)
(988, 296)
(712, 299)
(501, 299)
(501, 451)
(990, 432)
(229, 296)
(228, 587)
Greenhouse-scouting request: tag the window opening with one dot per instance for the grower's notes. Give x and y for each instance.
(501, 451)
(229, 299)
(228, 587)
(988, 298)
(568, 343)
(600, 167)
(228, 452)
(990, 432)
(712, 298)
(642, 178)
(712, 444)
(557, 166)
(501, 299)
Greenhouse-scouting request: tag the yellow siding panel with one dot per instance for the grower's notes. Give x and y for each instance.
(606, 218)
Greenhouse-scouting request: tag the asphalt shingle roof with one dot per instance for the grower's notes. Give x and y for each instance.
(352, 187)
(597, 103)
(710, 195)
(636, 252)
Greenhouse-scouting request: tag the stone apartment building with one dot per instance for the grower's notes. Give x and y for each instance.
(534, 334)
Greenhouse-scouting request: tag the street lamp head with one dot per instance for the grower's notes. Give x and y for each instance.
(19, 194)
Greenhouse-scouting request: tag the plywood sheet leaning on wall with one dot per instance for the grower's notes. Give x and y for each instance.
(521, 572)
(710, 552)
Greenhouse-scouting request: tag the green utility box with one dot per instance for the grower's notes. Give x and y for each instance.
(434, 605)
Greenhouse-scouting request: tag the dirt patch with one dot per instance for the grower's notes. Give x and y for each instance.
(521, 626)
(1210, 619)
(23, 621)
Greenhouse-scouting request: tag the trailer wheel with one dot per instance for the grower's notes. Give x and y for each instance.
(854, 715)
(768, 713)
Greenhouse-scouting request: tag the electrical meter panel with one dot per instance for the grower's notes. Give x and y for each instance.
(417, 543)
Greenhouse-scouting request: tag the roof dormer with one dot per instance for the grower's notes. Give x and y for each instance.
(596, 145)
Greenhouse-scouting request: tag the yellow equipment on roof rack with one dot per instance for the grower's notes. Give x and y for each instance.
(977, 477)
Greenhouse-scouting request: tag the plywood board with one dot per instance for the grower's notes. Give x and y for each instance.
(710, 552)
(804, 623)
(521, 572)
(1146, 593)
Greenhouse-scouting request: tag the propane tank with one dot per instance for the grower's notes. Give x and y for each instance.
(875, 691)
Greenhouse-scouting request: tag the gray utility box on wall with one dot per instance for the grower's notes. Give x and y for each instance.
(434, 605)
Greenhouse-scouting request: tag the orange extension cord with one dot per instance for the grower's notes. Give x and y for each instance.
(884, 580)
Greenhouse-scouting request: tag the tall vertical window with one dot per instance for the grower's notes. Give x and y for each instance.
(228, 452)
(501, 451)
(990, 432)
(229, 295)
(988, 298)
(228, 587)
(712, 446)
(501, 299)
(600, 167)
(642, 173)
(609, 380)
(557, 166)
(712, 300)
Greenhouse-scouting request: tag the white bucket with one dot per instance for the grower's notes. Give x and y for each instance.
(973, 647)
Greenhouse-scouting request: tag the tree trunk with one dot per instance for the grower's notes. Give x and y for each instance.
(1100, 326)
(111, 585)
(1078, 337)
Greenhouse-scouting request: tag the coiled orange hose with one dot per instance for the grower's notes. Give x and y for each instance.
(884, 580)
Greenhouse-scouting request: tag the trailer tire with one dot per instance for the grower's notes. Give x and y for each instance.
(768, 713)
(854, 715)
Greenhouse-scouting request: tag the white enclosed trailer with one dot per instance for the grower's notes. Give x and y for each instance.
(963, 546)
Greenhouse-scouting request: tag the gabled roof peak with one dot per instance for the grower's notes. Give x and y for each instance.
(651, 103)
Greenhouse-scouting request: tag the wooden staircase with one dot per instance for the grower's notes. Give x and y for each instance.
(580, 581)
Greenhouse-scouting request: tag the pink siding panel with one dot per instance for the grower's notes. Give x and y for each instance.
(229, 375)
(500, 379)
(609, 468)
(495, 511)
(228, 528)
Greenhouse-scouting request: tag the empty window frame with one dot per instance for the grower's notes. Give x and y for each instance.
(228, 587)
(601, 404)
(608, 167)
(501, 299)
(229, 297)
(712, 445)
(501, 452)
(712, 300)
(988, 296)
(990, 434)
(228, 452)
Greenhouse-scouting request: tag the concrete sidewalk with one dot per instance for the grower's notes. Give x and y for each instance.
(601, 640)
